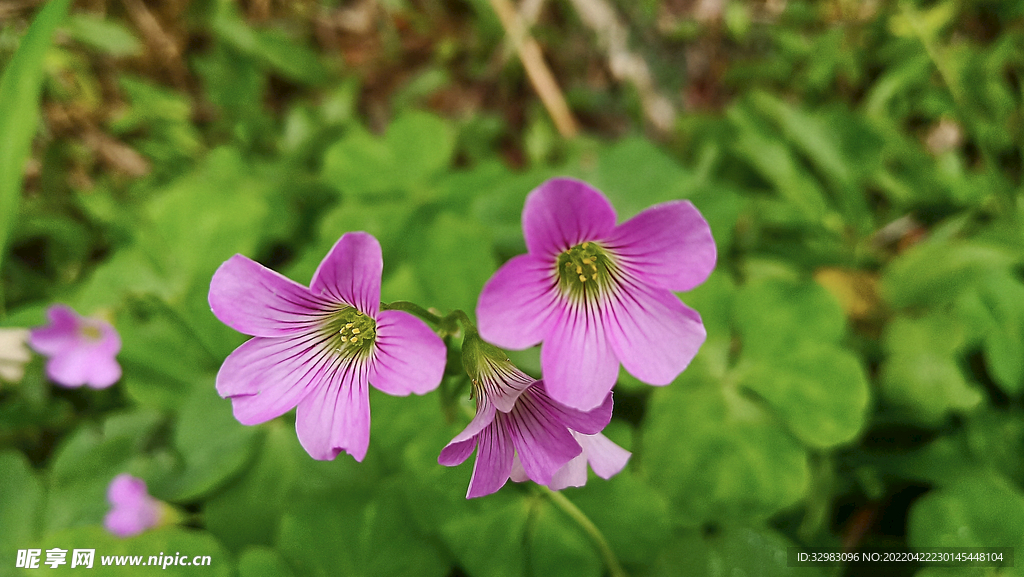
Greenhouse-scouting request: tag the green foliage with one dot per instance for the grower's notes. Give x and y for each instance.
(860, 166)
(21, 495)
(20, 86)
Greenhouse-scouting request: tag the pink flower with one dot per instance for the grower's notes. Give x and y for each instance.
(598, 294)
(82, 350)
(521, 432)
(604, 457)
(134, 510)
(318, 348)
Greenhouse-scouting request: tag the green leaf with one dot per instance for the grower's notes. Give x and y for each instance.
(727, 551)
(248, 512)
(455, 263)
(820, 391)
(235, 85)
(106, 35)
(1003, 296)
(760, 146)
(422, 144)
(162, 360)
(356, 531)
(927, 385)
(921, 373)
(126, 273)
(996, 437)
(980, 511)
(21, 497)
(717, 454)
(558, 548)
(203, 219)
(213, 446)
(86, 462)
(20, 86)
(262, 562)
(286, 56)
(817, 139)
(389, 222)
(936, 272)
(635, 174)
(631, 515)
(391, 545)
(488, 540)
(416, 147)
(773, 315)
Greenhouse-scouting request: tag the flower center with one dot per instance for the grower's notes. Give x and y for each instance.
(585, 269)
(90, 333)
(351, 331)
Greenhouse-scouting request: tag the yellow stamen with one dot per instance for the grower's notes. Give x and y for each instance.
(583, 278)
(355, 331)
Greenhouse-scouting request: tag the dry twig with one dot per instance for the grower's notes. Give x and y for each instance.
(624, 64)
(538, 72)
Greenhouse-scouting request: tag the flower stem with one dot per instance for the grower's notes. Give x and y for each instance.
(610, 560)
(463, 318)
(415, 309)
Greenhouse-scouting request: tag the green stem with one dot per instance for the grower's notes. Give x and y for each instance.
(463, 318)
(610, 560)
(415, 309)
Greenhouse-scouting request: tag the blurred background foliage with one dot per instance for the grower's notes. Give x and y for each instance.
(859, 162)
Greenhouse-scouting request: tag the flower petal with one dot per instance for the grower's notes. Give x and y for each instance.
(605, 457)
(125, 489)
(60, 334)
(588, 422)
(335, 416)
(265, 378)
(579, 365)
(562, 213)
(542, 441)
(654, 335)
(572, 474)
(409, 357)
(126, 522)
(254, 300)
(502, 383)
(72, 367)
(517, 474)
(668, 245)
(350, 273)
(103, 372)
(519, 303)
(456, 453)
(109, 343)
(484, 417)
(493, 462)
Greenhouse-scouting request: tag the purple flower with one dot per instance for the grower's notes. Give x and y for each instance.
(598, 294)
(605, 458)
(82, 350)
(317, 348)
(134, 510)
(519, 430)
